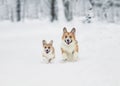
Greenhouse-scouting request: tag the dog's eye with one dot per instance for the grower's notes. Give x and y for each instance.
(70, 36)
(45, 47)
(48, 47)
(65, 36)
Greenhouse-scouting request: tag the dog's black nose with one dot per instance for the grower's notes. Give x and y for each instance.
(67, 40)
(47, 51)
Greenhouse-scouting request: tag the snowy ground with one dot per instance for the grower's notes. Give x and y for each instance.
(20, 55)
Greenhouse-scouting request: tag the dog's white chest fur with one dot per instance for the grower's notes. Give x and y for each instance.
(69, 48)
(49, 55)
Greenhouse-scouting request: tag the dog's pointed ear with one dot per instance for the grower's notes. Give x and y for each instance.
(73, 30)
(64, 29)
(44, 42)
(51, 42)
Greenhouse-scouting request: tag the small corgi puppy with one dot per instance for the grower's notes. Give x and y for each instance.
(48, 51)
(69, 45)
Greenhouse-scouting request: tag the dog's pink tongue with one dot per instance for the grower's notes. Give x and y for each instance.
(47, 52)
(68, 43)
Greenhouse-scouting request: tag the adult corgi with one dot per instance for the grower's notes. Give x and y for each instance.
(69, 45)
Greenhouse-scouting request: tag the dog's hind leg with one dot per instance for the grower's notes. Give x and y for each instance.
(75, 53)
(75, 56)
(49, 60)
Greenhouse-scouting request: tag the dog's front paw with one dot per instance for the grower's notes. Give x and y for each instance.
(65, 57)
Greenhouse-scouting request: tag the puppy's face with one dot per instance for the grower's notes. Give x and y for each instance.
(47, 46)
(68, 37)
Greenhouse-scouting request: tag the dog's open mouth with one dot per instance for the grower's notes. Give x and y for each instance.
(47, 51)
(68, 41)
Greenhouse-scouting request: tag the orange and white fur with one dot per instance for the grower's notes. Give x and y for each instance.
(69, 45)
(48, 51)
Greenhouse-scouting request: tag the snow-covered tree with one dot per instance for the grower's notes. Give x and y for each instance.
(97, 8)
(116, 11)
(18, 10)
(3, 10)
(54, 12)
(68, 9)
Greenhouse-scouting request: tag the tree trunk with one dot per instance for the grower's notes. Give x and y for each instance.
(68, 10)
(18, 10)
(53, 10)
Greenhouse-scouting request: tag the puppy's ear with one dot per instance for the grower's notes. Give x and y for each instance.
(44, 42)
(51, 42)
(73, 30)
(64, 29)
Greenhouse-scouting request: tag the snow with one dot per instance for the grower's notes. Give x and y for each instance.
(21, 59)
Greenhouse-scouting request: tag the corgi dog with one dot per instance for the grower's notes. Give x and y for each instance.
(48, 51)
(69, 46)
